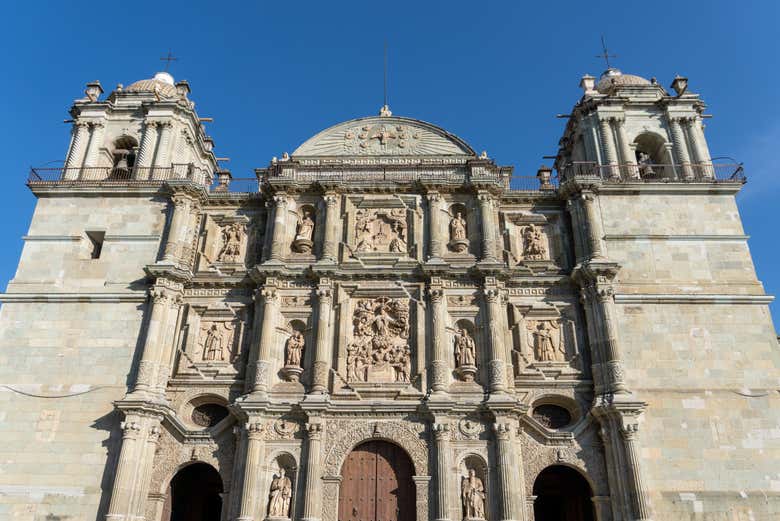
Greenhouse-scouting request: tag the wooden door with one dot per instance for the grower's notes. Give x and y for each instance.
(377, 484)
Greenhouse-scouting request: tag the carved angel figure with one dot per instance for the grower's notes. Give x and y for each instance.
(547, 341)
(294, 349)
(305, 227)
(465, 349)
(533, 243)
(281, 492)
(231, 243)
(457, 227)
(473, 496)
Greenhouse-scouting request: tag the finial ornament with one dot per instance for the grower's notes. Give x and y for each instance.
(385, 111)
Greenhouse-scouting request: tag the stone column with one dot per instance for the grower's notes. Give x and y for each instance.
(126, 475)
(167, 339)
(331, 244)
(312, 499)
(77, 146)
(441, 434)
(435, 229)
(146, 379)
(639, 501)
(496, 367)
(179, 219)
(608, 144)
(595, 232)
(696, 138)
(267, 337)
(439, 339)
(145, 474)
(488, 227)
(254, 342)
(504, 470)
(95, 142)
(280, 225)
(629, 161)
(322, 358)
(254, 451)
(143, 162)
(161, 158)
(681, 148)
(615, 376)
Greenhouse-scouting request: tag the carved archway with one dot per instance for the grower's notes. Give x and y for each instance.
(563, 493)
(344, 435)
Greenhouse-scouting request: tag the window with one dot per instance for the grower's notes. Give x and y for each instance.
(96, 243)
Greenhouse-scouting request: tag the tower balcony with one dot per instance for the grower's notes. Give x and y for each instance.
(655, 173)
(107, 176)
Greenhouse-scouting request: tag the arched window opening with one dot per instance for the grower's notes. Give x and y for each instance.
(652, 156)
(124, 156)
(562, 494)
(195, 494)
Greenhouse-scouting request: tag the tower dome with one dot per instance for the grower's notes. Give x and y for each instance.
(615, 78)
(162, 84)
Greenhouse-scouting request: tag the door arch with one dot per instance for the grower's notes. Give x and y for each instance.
(194, 494)
(376, 484)
(562, 494)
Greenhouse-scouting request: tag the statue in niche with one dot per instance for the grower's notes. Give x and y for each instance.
(294, 349)
(304, 232)
(459, 242)
(281, 493)
(231, 243)
(473, 496)
(379, 351)
(533, 243)
(465, 355)
(645, 164)
(381, 231)
(458, 227)
(546, 340)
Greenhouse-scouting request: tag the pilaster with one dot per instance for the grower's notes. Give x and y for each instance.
(496, 366)
(435, 227)
(330, 246)
(607, 138)
(323, 355)
(312, 500)
(146, 149)
(442, 436)
(254, 439)
(270, 296)
(506, 461)
(628, 159)
(95, 142)
(281, 202)
(77, 147)
(681, 147)
(439, 363)
(488, 219)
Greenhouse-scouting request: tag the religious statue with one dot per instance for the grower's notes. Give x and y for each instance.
(294, 349)
(547, 341)
(304, 232)
(281, 493)
(457, 227)
(533, 243)
(465, 351)
(212, 345)
(473, 496)
(231, 243)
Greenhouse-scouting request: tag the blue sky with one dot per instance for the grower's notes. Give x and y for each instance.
(494, 73)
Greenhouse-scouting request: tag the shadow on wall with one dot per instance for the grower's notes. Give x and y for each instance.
(113, 443)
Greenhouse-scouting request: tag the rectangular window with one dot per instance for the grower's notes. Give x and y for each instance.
(96, 243)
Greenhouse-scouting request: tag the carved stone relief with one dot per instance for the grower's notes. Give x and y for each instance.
(304, 231)
(233, 243)
(534, 243)
(379, 349)
(217, 341)
(547, 341)
(382, 230)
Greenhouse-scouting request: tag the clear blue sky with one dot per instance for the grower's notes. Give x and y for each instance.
(495, 73)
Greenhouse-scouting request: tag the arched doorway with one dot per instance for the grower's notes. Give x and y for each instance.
(194, 494)
(376, 484)
(562, 494)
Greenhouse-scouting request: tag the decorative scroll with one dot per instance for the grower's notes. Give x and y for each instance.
(379, 350)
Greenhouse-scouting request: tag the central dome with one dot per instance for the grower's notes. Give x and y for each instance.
(384, 136)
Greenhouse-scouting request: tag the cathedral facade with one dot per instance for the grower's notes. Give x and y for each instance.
(386, 325)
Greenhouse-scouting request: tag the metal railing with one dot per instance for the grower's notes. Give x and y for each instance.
(656, 173)
(399, 174)
(107, 175)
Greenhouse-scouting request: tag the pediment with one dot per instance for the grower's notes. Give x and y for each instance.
(383, 136)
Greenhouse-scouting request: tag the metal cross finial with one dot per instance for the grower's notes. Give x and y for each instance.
(168, 59)
(605, 53)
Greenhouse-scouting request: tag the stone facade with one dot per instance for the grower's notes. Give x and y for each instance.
(385, 282)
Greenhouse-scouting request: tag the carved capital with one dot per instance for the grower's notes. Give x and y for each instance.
(314, 431)
(270, 295)
(154, 434)
(502, 430)
(492, 295)
(281, 200)
(441, 432)
(485, 199)
(436, 294)
(331, 199)
(255, 430)
(131, 429)
(97, 124)
(325, 294)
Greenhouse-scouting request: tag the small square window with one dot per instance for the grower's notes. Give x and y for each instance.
(96, 243)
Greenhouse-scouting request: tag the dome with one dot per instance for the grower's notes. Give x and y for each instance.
(613, 77)
(162, 83)
(384, 136)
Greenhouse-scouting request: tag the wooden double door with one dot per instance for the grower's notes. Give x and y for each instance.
(377, 484)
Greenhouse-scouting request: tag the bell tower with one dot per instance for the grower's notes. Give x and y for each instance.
(146, 131)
